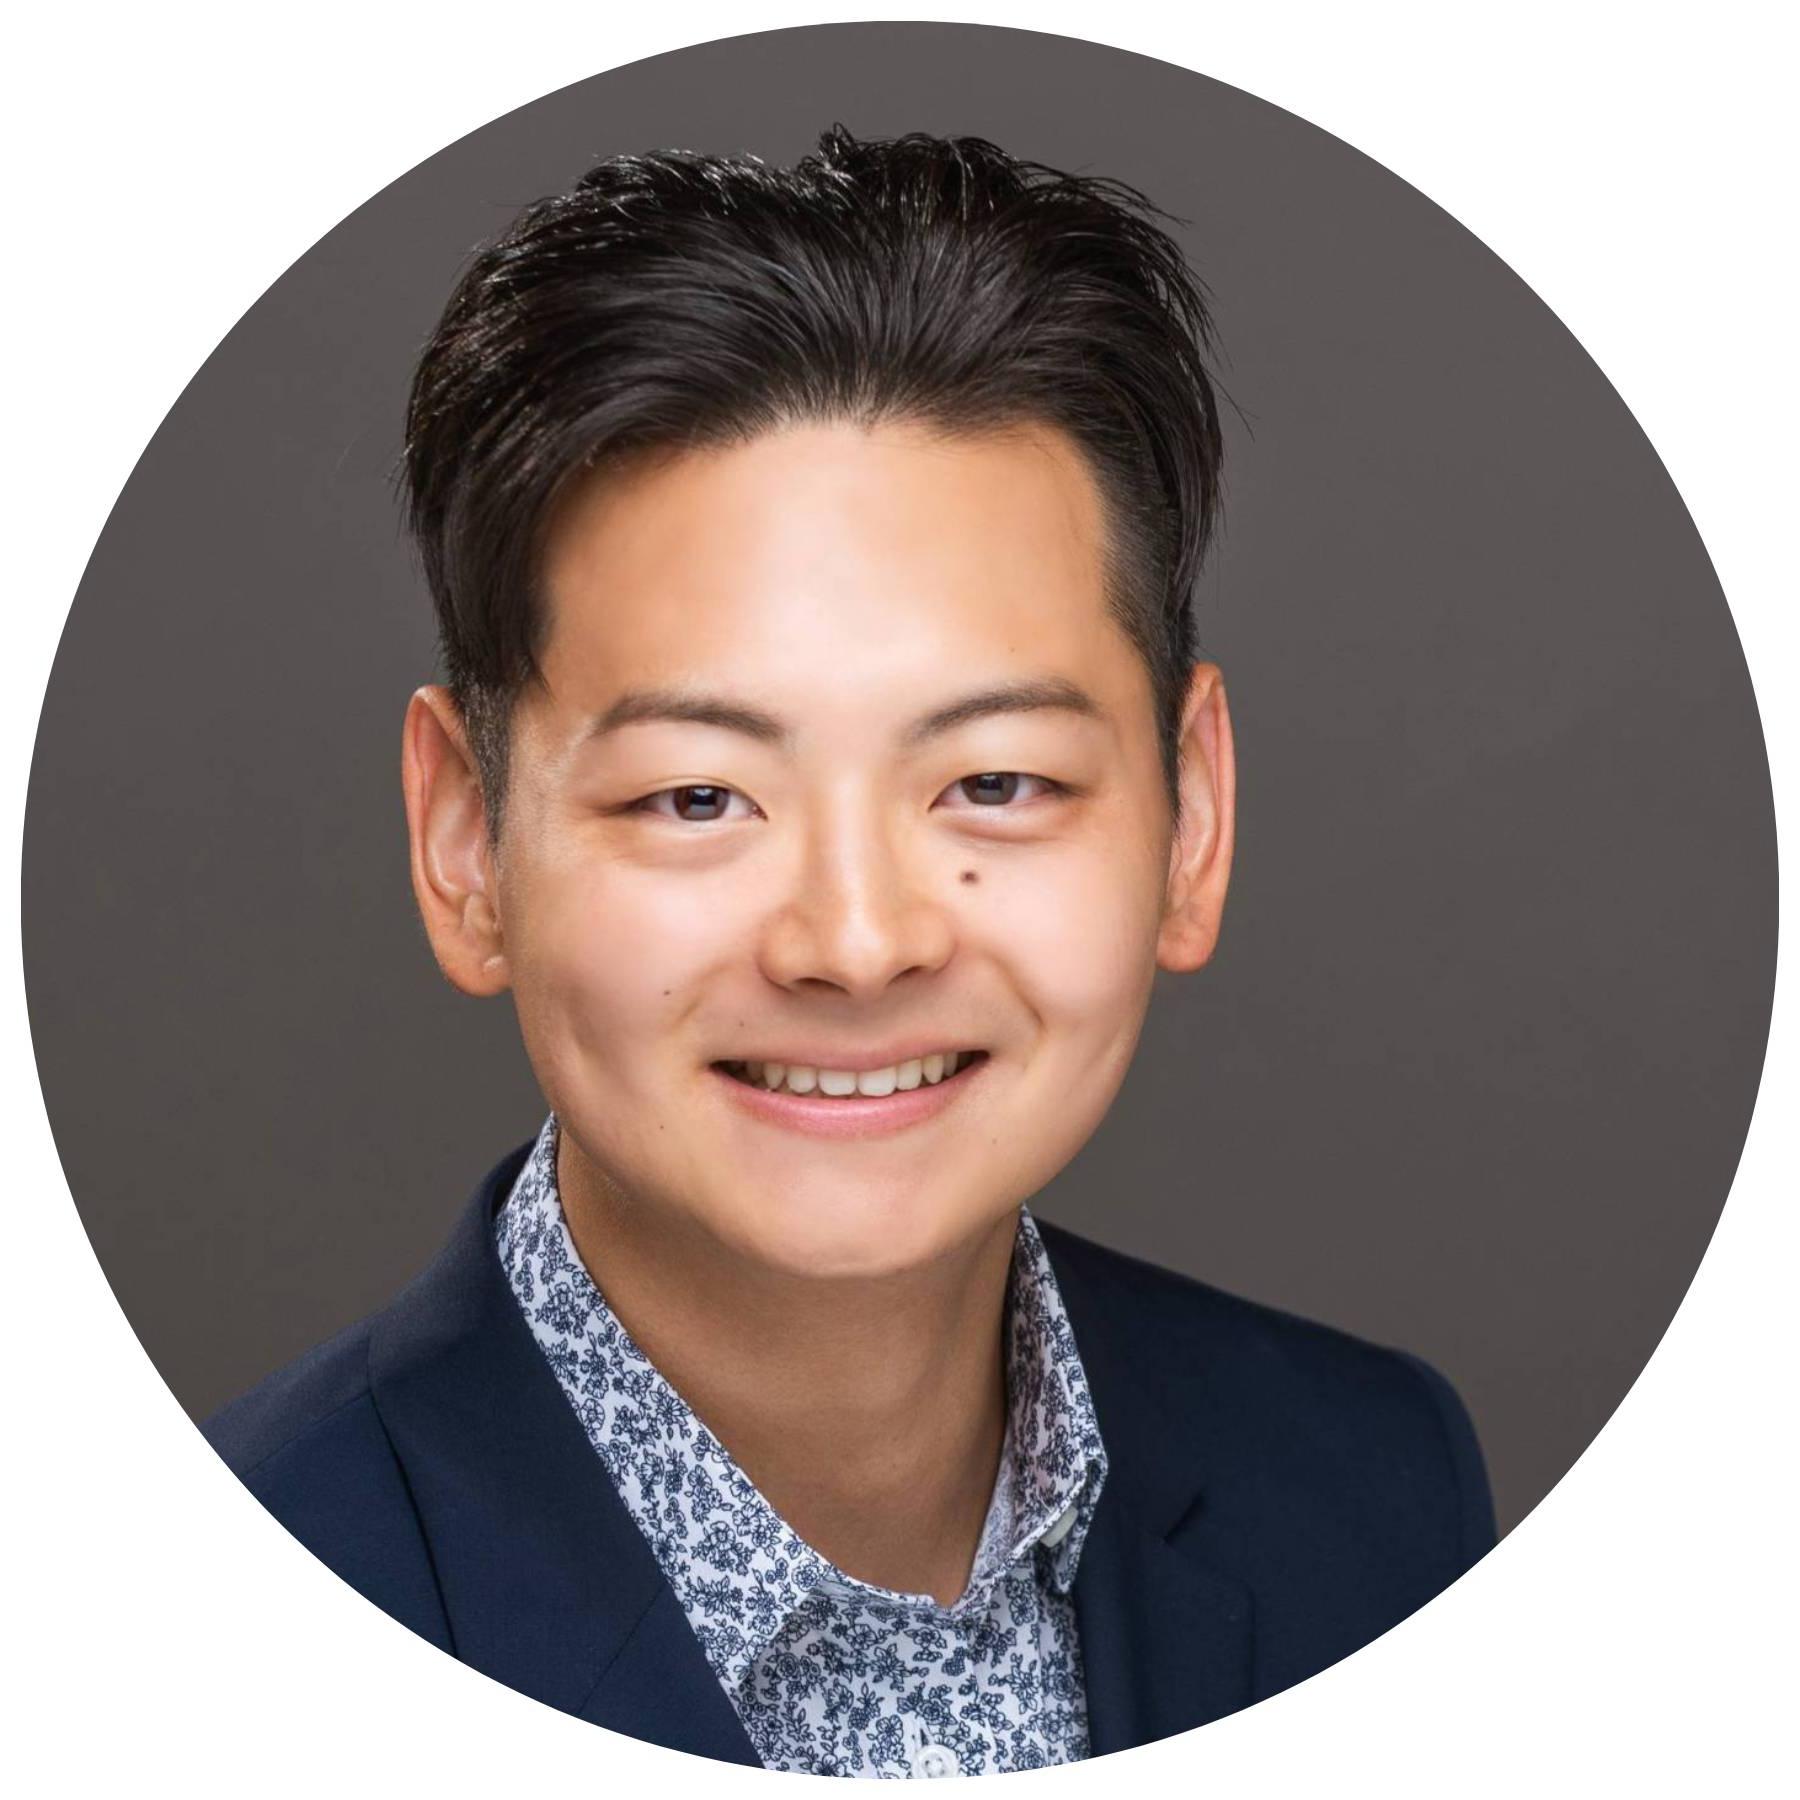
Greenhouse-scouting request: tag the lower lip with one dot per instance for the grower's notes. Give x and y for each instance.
(855, 1115)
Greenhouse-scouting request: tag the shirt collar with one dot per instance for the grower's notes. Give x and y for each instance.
(746, 1572)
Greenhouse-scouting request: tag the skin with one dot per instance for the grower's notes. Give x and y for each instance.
(830, 1307)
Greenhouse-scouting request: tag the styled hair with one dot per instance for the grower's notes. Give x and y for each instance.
(674, 301)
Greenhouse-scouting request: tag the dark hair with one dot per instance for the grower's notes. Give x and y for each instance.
(677, 300)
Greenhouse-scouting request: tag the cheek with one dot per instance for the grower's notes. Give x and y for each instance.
(609, 964)
(1079, 932)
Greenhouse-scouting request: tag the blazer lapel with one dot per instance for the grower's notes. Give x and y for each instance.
(547, 1581)
(1166, 1637)
(1165, 1641)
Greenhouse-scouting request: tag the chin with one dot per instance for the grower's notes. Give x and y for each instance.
(865, 1239)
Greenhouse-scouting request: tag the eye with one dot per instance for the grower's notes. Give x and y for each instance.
(694, 804)
(998, 788)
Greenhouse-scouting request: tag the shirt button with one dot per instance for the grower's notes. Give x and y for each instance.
(933, 1761)
(1059, 1528)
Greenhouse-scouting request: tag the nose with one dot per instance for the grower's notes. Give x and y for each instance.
(859, 911)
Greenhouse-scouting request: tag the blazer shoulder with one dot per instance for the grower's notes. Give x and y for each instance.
(1162, 1309)
(293, 1403)
(1295, 1394)
(309, 1443)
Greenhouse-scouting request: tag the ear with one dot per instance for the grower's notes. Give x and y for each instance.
(1200, 857)
(453, 873)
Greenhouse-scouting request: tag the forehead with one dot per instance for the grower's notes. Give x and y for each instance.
(880, 556)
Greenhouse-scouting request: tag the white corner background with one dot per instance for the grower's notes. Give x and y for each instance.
(165, 163)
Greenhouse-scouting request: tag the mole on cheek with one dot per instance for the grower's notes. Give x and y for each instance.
(970, 875)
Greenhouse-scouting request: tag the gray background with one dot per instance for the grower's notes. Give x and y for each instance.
(1474, 1064)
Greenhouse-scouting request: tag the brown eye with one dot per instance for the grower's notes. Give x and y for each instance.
(699, 802)
(991, 789)
(997, 790)
(694, 804)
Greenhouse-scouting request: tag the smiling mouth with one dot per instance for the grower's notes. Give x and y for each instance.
(797, 1078)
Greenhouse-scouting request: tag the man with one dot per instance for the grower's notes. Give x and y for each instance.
(825, 769)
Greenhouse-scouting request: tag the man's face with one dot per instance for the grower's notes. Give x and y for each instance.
(861, 878)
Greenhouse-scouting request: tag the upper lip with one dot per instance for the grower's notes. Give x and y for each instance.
(856, 1062)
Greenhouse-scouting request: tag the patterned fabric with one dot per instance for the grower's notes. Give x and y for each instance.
(829, 1674)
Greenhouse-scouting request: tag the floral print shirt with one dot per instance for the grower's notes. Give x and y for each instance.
(829, 1674)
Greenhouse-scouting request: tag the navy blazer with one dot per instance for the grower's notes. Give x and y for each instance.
(1279, 1493)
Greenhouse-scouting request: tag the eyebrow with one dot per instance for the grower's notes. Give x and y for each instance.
(694, 707)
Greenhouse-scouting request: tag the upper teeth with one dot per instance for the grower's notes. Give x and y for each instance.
(798, 1078)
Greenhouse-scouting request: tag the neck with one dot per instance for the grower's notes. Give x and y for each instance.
(870, 1413)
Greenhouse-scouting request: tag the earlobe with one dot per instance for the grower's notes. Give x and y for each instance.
(452, 866)
(1200, 855)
